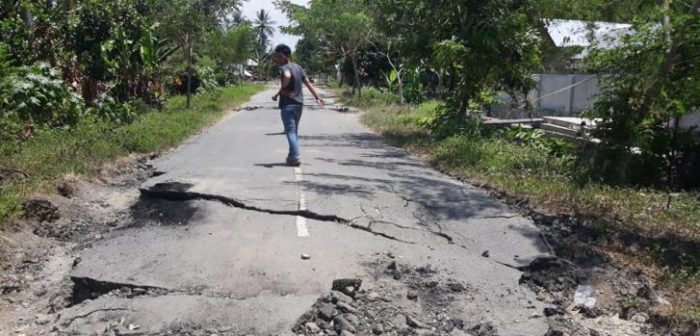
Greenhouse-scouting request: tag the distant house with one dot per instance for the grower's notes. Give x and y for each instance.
(568, 42)
(564, 87)
(246, 70)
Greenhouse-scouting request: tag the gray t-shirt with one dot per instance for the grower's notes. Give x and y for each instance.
(296, 95)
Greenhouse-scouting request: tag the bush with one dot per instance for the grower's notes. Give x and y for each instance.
(107, 108)
(37, 95)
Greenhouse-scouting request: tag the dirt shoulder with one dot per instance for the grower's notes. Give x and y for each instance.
(38, 255)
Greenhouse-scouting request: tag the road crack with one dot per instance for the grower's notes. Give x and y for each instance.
(86, 315)
(160, 191)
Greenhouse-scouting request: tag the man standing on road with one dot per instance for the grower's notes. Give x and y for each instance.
(292, 99)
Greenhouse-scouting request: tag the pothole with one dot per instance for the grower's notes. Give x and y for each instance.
(90, 289)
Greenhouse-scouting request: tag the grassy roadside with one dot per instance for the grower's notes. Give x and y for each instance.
(548, 183)
(51, 154)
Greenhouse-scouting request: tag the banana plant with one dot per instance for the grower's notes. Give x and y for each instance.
(154, 52)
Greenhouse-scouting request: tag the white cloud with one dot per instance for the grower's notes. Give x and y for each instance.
(253, 6)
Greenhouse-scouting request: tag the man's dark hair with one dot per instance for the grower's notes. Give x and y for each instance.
(283, 49)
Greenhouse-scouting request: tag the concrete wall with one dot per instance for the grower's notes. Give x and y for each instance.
(564, 95)
(690, 121)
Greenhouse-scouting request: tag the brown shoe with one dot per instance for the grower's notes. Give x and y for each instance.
(293, 162)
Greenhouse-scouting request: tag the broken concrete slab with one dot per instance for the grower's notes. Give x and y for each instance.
(262, 315)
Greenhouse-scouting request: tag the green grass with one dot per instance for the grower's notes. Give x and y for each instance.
(52, 153)
(370, 97)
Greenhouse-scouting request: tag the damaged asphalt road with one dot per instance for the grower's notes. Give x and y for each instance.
(215, 243)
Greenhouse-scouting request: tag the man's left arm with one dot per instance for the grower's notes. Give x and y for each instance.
(319, 101)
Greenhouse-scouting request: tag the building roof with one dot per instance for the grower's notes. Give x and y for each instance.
(586, 34)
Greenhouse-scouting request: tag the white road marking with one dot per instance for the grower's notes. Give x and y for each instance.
(302, 228)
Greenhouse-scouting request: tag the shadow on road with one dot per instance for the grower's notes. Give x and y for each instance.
(271, 165)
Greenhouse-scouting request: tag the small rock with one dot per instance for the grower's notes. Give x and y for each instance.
(554, 332)
(430, 284)
(551, 311)
(377, 329)
(341, 284)
(312, 328)
(486, 254)
(352, 318)
(413, 322)
(337, 296)
(42, 319)
(305, 256)
(457, 323)
(40, 292)
(346, 308)
(350, 290)
(589, 312)
(399, 320)
(326, 311)
(347, 286)
(484, 329)
(640, 318)
(412, 295)
(373, 296)
(346, 333)
(341, 323)
(121, 330)
(456, 287)
(405, 331)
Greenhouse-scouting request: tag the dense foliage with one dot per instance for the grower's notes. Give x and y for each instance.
(63, 60)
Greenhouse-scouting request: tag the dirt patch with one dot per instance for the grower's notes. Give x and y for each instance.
(38, 253)
(622, 298)
(11, 175)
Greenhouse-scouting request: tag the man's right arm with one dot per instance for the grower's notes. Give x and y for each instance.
(286, 80)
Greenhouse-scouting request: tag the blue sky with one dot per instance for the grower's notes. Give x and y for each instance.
(250, 7)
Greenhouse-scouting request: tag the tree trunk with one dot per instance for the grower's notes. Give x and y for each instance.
(355, 69)
(402, 100)
(189, 77)
(89, 89)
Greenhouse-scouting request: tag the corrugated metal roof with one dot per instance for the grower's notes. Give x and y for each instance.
(587, 34)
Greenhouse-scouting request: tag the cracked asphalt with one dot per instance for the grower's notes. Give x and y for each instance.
(220, 234)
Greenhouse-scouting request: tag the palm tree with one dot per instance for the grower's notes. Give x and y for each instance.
(237, 19)
(264, 28)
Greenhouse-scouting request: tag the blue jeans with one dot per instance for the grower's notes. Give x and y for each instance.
(291, 115)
